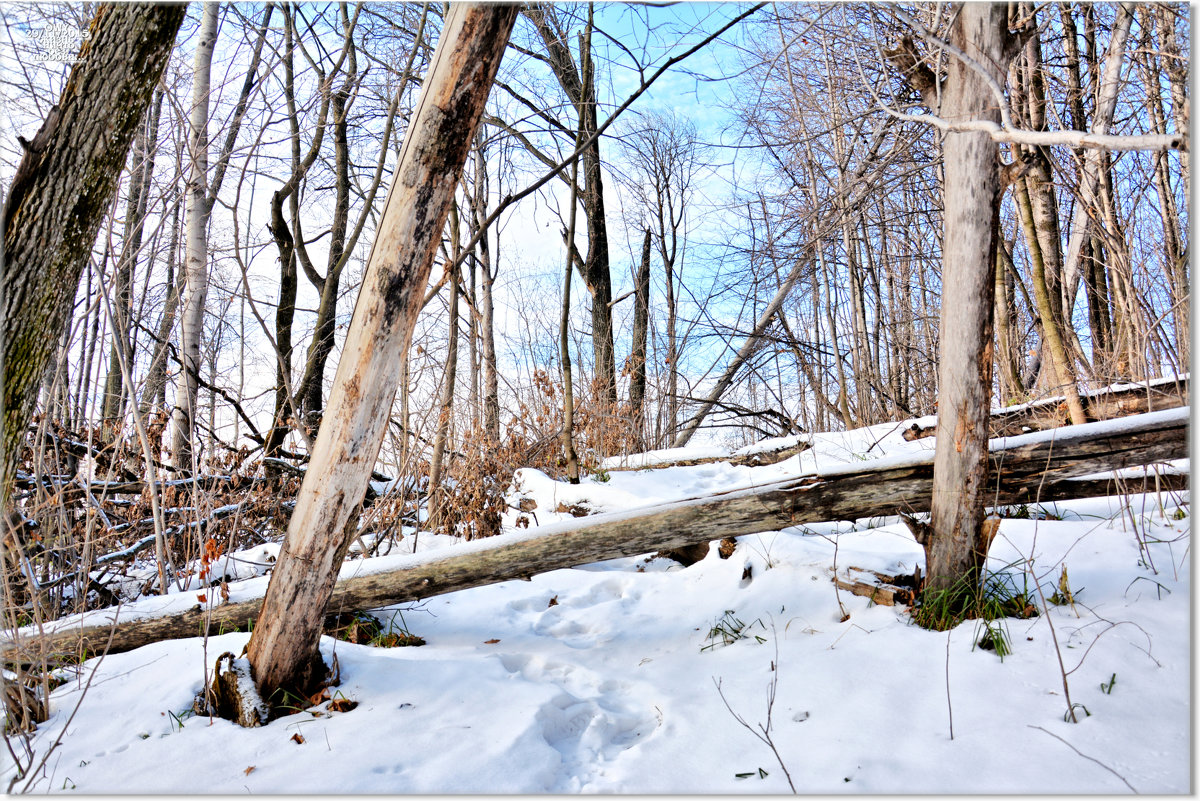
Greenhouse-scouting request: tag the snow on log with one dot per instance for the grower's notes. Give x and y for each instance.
(1030, 468)
(1121, 400)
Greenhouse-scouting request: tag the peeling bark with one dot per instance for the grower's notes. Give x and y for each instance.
(414, 215)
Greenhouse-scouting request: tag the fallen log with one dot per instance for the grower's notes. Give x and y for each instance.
(879, 588)
(753, 459)
(1106, 404)
(1024, 470)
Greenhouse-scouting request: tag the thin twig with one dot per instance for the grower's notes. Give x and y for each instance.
(1085, 756)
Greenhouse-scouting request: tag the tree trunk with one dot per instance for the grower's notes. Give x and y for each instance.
(285, 415)
(202, 193)
(145, 145)
(564, 327)
(1006, 354)
(487, 329)
(1090, 170)
(153, 389)
(61, 191)
(971, 226)
(637, 359)
(191, 321)
(450, 377)
(283, 651)
(312, 384)
(1062, 365)
(579, 85)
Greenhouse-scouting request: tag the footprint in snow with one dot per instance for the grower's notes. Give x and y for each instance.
(590, 722)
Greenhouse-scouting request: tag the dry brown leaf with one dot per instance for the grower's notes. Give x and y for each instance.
(342, 705)
(298, 738)
(490, 642)
(249, 770)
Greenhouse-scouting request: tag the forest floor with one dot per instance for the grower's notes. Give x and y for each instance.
(631, 675)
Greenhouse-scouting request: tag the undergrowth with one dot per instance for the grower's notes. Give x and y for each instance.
(728, 629)
(1000, 594)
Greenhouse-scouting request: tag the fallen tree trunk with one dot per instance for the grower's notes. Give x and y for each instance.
(1102, 405)
(752, 459)
(1026, 469)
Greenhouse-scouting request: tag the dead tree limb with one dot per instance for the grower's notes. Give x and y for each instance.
(1102, 405)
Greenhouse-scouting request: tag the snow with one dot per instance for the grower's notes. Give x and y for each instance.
(604, 678)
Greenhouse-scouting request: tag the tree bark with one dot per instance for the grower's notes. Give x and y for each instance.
(1026, 470)
(283, 649)
(191, 321)
(637, 359)
(970, 233)
(61, 191)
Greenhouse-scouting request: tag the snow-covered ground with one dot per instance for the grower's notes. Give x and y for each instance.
(615, 677)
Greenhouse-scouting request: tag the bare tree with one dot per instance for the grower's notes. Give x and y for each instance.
(202, 193)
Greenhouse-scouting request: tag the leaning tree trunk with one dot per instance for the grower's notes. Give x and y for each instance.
(283, 651)
(61, 191)
(955, 547)
(752, 343)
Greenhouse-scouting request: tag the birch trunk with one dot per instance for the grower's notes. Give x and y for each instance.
(191, 321)
(1089, 175)
(283, 650)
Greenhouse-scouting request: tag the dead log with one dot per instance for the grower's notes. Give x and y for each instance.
(1101, 405)
(754, 459)
(879, 588)
(1024, 470)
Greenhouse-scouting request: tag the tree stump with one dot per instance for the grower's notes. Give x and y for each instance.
(233, 694)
